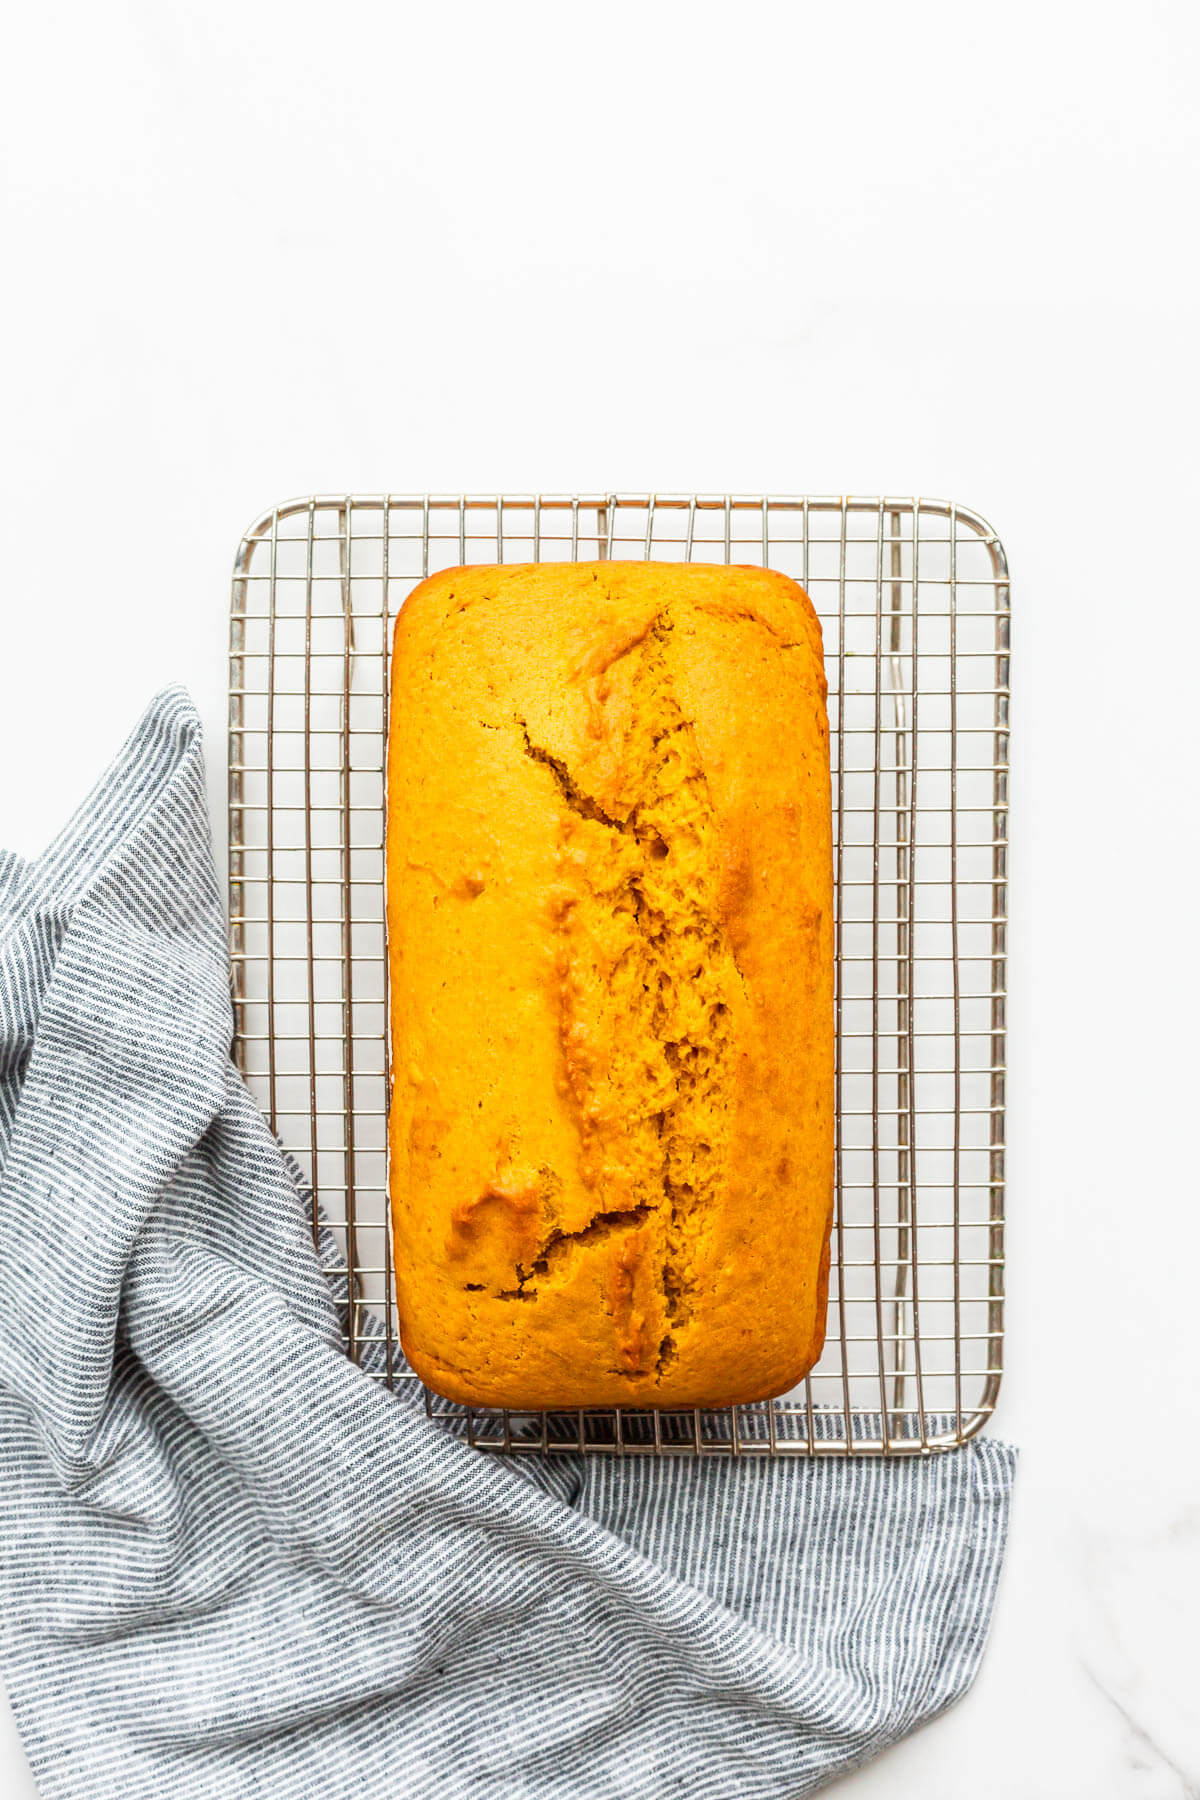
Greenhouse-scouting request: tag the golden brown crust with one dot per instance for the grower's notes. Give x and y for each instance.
(610, 936)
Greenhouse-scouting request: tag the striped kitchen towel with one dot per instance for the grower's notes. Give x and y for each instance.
(233, 1565)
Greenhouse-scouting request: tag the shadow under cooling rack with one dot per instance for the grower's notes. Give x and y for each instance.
(913, 598)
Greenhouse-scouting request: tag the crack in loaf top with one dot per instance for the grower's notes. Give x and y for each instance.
(588, 825)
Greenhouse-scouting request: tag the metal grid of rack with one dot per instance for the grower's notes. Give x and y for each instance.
(913, 597)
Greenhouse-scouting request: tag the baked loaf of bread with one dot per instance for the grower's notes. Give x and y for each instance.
(610, 939)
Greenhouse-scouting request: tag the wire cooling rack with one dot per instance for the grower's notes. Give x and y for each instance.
(913, 597)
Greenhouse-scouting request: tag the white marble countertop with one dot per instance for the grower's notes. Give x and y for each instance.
(887, 250)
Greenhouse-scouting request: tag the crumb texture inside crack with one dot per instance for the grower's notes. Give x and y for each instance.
(644, 983)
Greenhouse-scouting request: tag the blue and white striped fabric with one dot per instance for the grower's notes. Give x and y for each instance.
(232, 1565)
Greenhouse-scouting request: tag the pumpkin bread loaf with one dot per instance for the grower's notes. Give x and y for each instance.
(610, 942)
